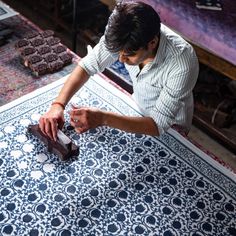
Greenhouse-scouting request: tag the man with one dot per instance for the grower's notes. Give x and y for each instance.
(163, 68)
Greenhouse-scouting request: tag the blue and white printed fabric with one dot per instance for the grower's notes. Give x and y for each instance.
(120, 184)
(119, 69)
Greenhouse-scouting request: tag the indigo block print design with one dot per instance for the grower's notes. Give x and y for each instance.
(120, 184)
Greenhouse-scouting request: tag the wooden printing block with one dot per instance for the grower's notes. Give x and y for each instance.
(33, 59)
(21, 44)
(32, 35)
(37, 42)
(47, 33)
(59, 49)
(42, 50)
(66, 58)
(53, 41)
(63, 147)
(55, 66)
(40, 68)
(50, 57)
(28, 51)
(43, 53)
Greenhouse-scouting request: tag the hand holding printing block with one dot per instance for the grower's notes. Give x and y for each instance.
(62, 147)
(52, 120)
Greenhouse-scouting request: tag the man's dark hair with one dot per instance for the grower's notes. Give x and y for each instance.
(131, 26)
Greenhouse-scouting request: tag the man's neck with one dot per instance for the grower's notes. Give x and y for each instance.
(149, 58)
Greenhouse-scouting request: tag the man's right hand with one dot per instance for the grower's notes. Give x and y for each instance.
(51, 121)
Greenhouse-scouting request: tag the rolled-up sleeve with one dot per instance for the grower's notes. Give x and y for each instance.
(97, 59)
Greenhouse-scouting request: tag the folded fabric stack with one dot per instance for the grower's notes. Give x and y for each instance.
(43, 53)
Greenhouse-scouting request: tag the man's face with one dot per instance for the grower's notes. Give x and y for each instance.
(134, 58)
(142, 55)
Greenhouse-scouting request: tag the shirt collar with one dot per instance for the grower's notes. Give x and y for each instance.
(160, 55)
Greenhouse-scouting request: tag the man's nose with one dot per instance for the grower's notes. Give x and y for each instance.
(122, 58)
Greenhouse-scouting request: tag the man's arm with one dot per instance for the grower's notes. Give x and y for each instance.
(140, 125)
(75, 81)
(95, 61)
(54, 118)
(85, 118)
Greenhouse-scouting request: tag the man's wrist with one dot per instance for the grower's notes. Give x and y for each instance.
(60, 104)
(105, 118)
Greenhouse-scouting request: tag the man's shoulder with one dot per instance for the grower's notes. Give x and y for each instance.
(175, 44)
(172, 36)
(168, 32)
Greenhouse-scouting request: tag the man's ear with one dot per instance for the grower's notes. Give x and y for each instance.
(153, 43)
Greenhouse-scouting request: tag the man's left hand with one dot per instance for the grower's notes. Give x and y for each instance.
(85, 118)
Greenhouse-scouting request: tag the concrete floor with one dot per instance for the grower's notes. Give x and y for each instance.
(213, 146)
(195, 134)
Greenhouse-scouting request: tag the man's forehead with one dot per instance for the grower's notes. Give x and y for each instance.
(129, 53)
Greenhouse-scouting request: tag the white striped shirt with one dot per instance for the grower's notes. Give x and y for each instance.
(163, 87)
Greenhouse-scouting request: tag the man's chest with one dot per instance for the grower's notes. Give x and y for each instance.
(148, 77)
